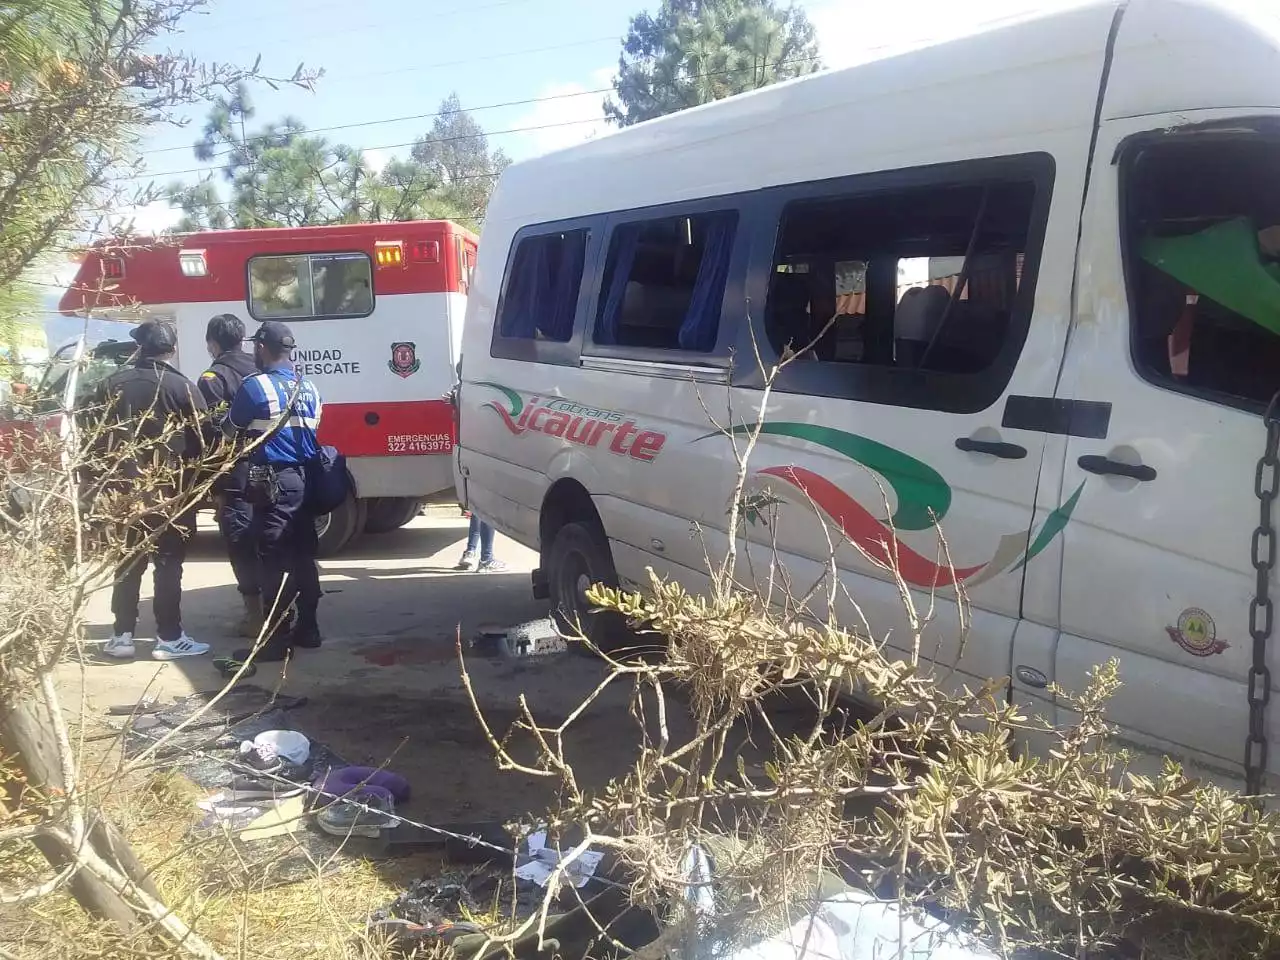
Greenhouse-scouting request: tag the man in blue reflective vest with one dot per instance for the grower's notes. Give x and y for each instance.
(285, 408)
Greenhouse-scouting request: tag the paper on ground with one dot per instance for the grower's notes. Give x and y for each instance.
(543, 861)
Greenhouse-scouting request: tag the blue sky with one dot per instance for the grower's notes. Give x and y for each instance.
(393, 60)
(384, 61)
(400, 59)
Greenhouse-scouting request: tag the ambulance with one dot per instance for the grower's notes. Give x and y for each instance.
(376, 308)
(1033, 277)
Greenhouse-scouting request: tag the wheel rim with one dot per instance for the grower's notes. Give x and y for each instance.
(575, 581)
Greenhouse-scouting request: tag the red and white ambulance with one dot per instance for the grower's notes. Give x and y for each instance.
(377, 311)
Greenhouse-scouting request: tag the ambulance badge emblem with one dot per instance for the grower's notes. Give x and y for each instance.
(404, 360)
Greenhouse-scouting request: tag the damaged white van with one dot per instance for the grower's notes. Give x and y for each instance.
(1047, 261)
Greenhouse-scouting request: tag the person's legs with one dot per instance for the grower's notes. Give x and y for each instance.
(235, 521)
(124, 607)
(471, 553)
(278, 531)
(166, 576)
(306, 574)
(270, 533)
(488, 562)
(170, 554)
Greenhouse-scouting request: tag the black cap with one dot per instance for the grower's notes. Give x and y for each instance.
(275, 335)
(155, 338)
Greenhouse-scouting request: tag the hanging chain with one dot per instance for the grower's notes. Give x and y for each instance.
(1266, 486)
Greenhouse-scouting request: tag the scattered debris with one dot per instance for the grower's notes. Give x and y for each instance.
(535, 638)
(540, 862)
(147, 704)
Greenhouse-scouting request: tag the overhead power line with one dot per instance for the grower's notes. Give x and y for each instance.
(528, 101)
(385, 146)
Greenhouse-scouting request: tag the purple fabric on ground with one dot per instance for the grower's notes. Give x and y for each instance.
(343, 781)
(369, 792)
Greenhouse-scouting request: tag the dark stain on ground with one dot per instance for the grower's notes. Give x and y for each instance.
(377, 718)
(406, 651)
(437, 743)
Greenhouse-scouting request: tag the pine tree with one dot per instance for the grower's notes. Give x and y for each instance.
(456, 150)
(695, 51)
(282, 175)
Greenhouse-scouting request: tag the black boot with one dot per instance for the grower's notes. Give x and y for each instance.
(306, 637)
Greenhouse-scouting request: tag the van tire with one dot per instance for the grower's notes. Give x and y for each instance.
(579, 557)
(390, 513)
(338, 529)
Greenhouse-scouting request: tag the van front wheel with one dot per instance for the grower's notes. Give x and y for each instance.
(579, 557)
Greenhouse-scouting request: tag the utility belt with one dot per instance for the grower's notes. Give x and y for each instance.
(263, 486)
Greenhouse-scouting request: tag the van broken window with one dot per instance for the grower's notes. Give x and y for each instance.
(1203, 251)
(920, 278)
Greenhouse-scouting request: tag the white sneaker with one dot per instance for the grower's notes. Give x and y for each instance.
(468, 561)
(184, 646)
(119, 647)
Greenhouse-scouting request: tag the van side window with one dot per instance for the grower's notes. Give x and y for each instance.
(1202, 252)
(664, 282)
(921, 279)
(541, 299)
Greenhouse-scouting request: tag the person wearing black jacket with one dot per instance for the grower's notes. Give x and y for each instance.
(143, 400)
(218, 385)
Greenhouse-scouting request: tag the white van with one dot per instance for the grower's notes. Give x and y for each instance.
(1051, 252)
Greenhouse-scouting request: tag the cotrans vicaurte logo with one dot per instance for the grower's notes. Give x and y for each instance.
(577, 423)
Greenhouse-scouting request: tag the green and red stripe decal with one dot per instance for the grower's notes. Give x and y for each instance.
(923, 498)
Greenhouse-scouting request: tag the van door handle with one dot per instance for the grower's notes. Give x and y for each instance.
(1108, 467)
(1005, 451)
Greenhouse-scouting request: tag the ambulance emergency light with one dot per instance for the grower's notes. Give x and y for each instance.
(192, 263)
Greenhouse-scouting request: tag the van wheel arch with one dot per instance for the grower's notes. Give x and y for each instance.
(566, 502)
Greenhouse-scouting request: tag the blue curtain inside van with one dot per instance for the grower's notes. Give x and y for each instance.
(528, 290)
(542, 294)
(627, 241)
(564, 292)
(702, 317)
(698, 332)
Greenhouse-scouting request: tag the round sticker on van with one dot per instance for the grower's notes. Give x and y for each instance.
(1196, 633)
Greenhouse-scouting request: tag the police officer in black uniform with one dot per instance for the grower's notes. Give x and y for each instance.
(142, 400)
(223, 338)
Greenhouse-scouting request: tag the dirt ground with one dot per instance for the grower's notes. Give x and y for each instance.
(385, 686)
